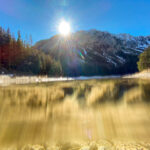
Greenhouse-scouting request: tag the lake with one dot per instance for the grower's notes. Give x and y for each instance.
(81, 114)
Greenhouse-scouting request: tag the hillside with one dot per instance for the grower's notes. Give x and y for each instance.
(95, 53)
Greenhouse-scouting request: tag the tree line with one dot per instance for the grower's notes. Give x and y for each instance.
(144, 60)
(20, 57)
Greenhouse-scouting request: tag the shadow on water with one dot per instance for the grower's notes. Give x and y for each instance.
(92, 110)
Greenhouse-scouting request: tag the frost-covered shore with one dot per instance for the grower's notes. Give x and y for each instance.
(9, 79)
(142, 75)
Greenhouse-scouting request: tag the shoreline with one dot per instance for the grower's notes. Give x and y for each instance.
(139, 75)
(6, 80)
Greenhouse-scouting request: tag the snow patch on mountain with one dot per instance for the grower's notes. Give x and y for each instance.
(122, 60)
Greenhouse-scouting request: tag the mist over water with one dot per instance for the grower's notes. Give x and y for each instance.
(75, 112)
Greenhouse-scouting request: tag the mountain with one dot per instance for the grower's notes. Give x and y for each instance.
(95, 52)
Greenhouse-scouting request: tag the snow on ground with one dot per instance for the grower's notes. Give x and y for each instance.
(8, 80)
(143, 75)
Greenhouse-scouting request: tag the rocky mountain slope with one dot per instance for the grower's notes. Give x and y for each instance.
(95, 53)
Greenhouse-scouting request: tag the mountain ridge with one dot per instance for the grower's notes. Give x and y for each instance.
(104, 53)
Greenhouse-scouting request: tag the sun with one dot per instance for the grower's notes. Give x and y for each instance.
(64, 28)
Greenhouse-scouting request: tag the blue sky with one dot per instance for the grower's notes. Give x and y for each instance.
(40, 18)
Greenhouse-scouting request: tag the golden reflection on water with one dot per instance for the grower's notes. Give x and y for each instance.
(75, 111)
